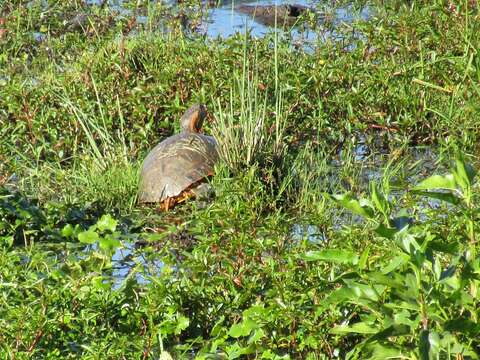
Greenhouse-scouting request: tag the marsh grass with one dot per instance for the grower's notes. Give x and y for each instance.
(103, 169)
(242, 286)
(244, 127)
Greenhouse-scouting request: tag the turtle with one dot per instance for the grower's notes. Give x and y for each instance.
(180, 164)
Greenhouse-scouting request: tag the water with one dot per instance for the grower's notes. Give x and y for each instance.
(225, 21)
(129, 261)
(418, 163)
(39, 36)
(309, 232)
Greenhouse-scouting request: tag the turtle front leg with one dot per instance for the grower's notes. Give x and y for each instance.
(167, 204)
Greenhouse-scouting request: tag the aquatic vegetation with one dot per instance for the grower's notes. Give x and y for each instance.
(345, 217)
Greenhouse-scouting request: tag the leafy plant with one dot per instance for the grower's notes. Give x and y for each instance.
(421, 300)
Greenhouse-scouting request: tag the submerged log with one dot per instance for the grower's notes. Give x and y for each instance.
(285, 14)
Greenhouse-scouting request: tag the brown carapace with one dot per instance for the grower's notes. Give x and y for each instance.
(179, 163)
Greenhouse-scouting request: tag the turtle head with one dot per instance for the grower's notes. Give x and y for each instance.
(192, 119)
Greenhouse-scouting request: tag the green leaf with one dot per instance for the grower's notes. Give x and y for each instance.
(380, 201)
(182, 324)
(424, 345)
(403, 305)
(435, 347)
(378, 278)
(464, 326)
(351, 203)
(100, 283)
(257, 336)
(88, 237)
(7, 240)
(369, 292)
(165, 356)
(394, 330)
(386, 232)
(331, 255)
(362, 262)
(269, 354)
(109, 243)
(106, 222)
(384, 351)
(442, 196)
(409, 242)
(243, 328)
(464, 174)
(67, 231)
(218, 327)
(358, 328)
(395, 263)
(336, 297)
(254, 310)
(437, 182)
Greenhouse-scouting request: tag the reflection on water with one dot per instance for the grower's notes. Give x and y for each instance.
(311, 233)
(128, 261)
(225, 21)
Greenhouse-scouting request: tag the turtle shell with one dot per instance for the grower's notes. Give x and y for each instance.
(176, 164)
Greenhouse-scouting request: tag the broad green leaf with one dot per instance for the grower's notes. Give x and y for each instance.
(218, 327)
(448, 197)
(106, 222)
(386, 232)
(182, 324)
(235, 351)
(270, 355)
(364, 291)
(7, 240)
(254, 310)
(331, 255)
(395, 263)
(99, 282)
(88, 237)
(404, 317)
(389, 281)
(403, 305)
(109, 243)
(409, 242)
(67, 230)
(243, 328)
(351, 203)
(256, 336)
(382, 352)
(358, 328)
(464, 174)
(335, 297)
(464, 326)
(437, 182)
(394, 330)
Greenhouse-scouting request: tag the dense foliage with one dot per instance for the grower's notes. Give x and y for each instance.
(342, 226)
